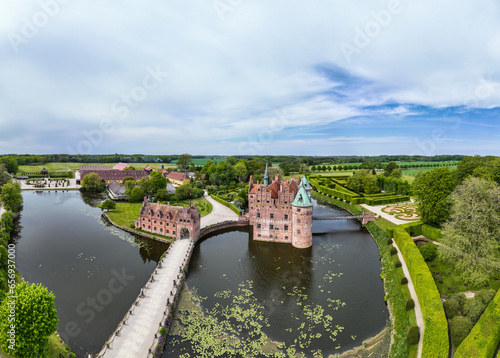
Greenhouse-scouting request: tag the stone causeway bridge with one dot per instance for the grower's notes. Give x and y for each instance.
(143, 330)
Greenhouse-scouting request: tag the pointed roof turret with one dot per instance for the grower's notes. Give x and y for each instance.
(302, 198)
(266, 176)
(305, 183)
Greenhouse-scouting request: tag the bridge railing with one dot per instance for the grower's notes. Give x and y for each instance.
(159, 340)
(136, 303)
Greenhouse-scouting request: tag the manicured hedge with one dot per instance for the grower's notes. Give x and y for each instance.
(435, 340)
(484, 338)
(340, 192)
(225, 203)
(431, 232)
(414, 228)
(389, 199)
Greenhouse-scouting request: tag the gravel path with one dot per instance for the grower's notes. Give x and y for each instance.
(378, 210)
(413, 293)
(218, 214)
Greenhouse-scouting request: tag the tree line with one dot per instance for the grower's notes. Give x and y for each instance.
(465, 203)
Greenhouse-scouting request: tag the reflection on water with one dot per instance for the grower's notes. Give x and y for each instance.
(95, 270)
(322, 300)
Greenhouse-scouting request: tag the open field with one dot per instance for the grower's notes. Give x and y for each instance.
(203, 161)
(55, 167)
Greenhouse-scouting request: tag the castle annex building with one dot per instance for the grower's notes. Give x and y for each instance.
(175, 221)
(281, 211)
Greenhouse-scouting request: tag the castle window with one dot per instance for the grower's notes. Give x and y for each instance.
(168, 231)
(286, 237)
(298, 210)
(271, 226)
(298, 232)
(161, 222)
(154, 229)
(161, 230)
(143, 226)
(258, 226)
(149, 220)
(173, 232)
(149, 227)
(258, 215)
(143, 219)
(258, 234)
(298, 221)
(286, 215)
(155, 221)
(271, 216)
(286, 227)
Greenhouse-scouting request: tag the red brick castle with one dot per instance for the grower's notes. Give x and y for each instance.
(281, 211)
(173, 221)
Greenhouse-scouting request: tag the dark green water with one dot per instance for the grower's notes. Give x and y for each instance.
(95, 271)
(329, 297)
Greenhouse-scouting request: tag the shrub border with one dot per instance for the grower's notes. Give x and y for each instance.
(435, 340)
(484, 337)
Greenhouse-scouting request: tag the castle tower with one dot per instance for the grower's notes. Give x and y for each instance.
(302, 210)
(307, 185)
(266, 176)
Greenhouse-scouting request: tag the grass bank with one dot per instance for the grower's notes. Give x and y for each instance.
(125, 212)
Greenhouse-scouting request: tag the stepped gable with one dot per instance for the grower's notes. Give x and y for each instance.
(168, 212)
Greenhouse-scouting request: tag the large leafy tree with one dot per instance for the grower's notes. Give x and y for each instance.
(108, 205)
(136, 194)
(11, 197)
(184, 161)
(35, 320)
(93, 182)
(4, 176)
(10, 164)
(472, 233)
(363, 182)
(389, 168)
(241, 172)
(158, 181)
(432, 190)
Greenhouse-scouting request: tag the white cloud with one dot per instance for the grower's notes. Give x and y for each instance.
(227, 78)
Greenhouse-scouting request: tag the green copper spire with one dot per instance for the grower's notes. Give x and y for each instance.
(302, 198)
(305, 183)
(266, 176)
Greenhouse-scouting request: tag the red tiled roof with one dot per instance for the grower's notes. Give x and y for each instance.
(177, 176)
(113, 174)
(168, 212)
(121, 166)
(94, 167)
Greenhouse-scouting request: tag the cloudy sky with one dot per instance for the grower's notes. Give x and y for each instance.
(250, 77)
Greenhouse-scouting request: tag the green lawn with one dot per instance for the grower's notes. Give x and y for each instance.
(125, 213)
(384, 223)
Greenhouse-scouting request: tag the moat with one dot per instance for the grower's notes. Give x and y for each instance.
(331, 290)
